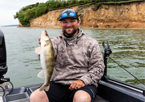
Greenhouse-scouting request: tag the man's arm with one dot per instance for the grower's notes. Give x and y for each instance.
(95, 70)
(96, 66)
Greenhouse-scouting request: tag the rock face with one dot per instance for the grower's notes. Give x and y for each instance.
(130, 15)
(49, 20)
(126, 15)
(20, 24)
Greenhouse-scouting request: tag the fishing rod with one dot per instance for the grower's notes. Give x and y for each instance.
(126, 71)
(108, 51)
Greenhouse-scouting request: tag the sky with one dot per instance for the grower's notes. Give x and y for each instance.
(8, 8)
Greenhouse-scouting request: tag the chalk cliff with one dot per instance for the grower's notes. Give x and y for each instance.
(125, 15)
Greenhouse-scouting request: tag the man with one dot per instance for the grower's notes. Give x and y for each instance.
(78, 62)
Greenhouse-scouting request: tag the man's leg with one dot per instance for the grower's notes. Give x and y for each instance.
(57, 93)
(84, 94)
(39, 96)
(81, 96)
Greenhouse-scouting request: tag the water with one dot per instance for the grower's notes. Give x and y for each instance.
(128, 47)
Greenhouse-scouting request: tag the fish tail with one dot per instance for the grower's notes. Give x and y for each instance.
(44, 87)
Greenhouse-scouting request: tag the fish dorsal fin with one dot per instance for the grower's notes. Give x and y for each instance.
(41, 74)
(38, 50)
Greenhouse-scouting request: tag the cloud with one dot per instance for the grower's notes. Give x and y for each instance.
(8, 8)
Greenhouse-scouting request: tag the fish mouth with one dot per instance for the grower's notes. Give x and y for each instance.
(45, 38)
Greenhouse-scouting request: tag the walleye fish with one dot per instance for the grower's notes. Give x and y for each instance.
(46, 52)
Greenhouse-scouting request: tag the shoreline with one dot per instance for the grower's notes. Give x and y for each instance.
(82, 28)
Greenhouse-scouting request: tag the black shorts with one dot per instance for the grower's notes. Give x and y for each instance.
(62, 93)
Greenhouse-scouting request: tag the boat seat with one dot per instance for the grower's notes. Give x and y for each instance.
(97, 99)
(22, 94)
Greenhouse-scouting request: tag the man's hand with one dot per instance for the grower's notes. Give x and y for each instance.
(76, 84)
(39, 40)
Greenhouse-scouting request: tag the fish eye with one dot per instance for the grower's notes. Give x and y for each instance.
(46, 34)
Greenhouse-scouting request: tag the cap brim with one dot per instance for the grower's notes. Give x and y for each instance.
(68, 17)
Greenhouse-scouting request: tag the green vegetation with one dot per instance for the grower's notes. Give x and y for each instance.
(35, 10)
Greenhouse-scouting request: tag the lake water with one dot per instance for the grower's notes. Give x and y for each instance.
(128, 47)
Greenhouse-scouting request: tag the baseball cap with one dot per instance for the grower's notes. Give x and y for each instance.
(68, 13)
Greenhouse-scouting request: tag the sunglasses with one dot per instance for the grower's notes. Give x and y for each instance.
(71, 14)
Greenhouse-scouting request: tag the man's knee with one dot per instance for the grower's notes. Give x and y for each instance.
(81, 96)
(32, 97)
(38, 96)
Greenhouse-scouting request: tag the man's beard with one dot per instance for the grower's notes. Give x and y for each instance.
(70, 34)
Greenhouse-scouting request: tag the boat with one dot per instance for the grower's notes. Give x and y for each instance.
(109, 90)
